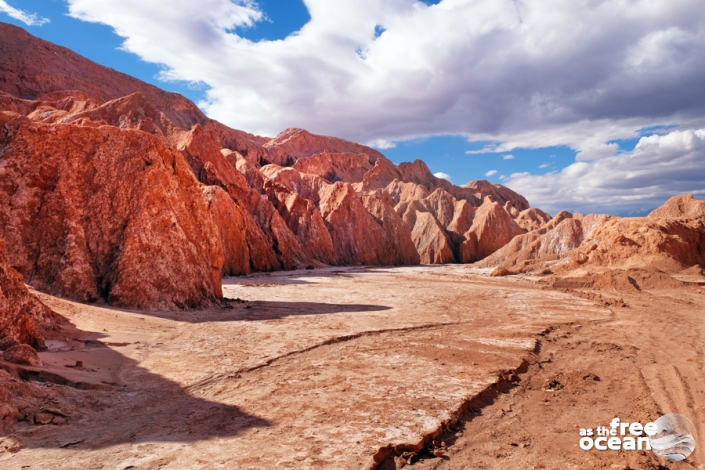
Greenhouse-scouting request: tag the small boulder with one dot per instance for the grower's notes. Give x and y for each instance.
(500, 272)
(43, 418)
(22, 354)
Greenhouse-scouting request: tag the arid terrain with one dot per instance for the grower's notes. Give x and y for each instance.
(178, 294)
(327, 369)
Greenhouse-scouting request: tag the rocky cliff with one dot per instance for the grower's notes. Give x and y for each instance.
(114, 189)
(671, 238)
(22, 316)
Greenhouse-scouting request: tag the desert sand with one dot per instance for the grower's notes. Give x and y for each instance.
(178, 294)
(350, 367)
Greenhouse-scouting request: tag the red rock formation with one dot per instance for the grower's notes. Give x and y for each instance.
(684, 205)
(22, 315)
(491, 229)
(103, 212)
(252, 217)
(304, 219)
(293, 144)
(532, 219)
(229, 219)
(431, 240)
(30, 67)
(348, 167)
(552, 242)
(670, 241)
(22, 354)
(396, 241)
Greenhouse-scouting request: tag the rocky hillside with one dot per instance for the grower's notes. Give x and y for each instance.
(23, 318)
(671, 238)
(113, 189)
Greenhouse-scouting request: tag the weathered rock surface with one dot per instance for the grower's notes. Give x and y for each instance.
(230, 223)
(532, 219)
(491, 229)
(93, 213)
(431, 240)
(293, 144)
(22, 315)
(358, 236)
(333, 167)
(22, 354)
(684, 205)
(123, 218)
(670, 240)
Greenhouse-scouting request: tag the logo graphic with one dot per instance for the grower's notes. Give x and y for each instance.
(674, 439)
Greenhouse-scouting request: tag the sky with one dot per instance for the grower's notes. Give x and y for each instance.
(585, 105)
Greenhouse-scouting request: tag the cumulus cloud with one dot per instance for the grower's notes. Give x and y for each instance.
(444, 176)
(519, 74)
(381, 144)
(491, 173)
(508, 157)
(543, 165)
(633, 182)
(30, 19)
(512, 74)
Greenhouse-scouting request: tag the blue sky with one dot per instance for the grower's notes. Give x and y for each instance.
(603, 114)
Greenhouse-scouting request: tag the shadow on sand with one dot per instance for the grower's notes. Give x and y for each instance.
(135, 405)
(260, 310)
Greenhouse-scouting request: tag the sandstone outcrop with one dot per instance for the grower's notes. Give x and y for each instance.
(23, 317)
(293, 144)
(491, 229)
(153, 202)
(431, 240)
(358, 237)
(670, 239)
(93, 213)
(22, 354)
(684, 205)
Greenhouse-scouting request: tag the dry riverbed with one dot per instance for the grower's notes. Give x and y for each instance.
(349, 368)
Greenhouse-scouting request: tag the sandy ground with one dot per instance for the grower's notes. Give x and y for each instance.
(348, 368)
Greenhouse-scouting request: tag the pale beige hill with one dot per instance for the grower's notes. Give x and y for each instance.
(669, 243)
(684, 205)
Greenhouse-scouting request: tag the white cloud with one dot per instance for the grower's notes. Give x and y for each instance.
(597, 152)
(487, 69)
(659, 167)
(491, 173)
(508, 157)
(444, 176)
(30, 19)
(381, 144)
(543, 165)
(530, 74)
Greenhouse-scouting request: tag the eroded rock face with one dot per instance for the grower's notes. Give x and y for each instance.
(229, 220)
(293, 144)
(22, 354)
(358, 236)
(333, 167)
(532, 219)
(396, 242)
(684, 205)
(431, 240)
(491, 229)
(670, 240)
(122, 215)
(304, 219)
(93, 213)
(22, 315)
